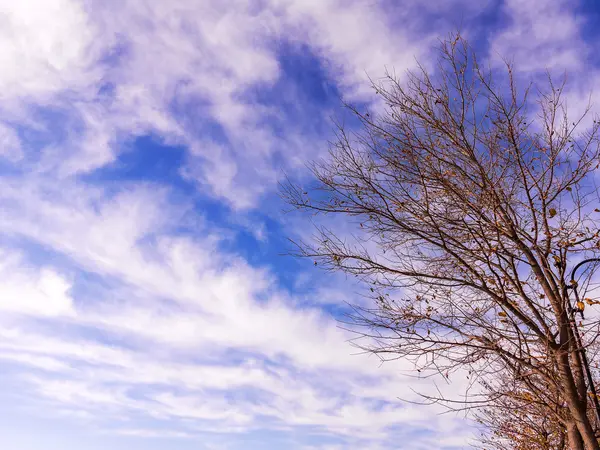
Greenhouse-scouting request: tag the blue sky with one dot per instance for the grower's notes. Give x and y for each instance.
(145, 302)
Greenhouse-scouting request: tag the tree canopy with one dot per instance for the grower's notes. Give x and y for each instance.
(475, 198)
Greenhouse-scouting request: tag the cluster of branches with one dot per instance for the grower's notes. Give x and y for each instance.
(472, 212)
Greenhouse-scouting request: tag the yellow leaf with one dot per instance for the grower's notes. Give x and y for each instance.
(502, 314)
(580, 305)
(552, 212)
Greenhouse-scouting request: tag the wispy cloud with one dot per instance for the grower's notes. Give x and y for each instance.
(188, 332)
(146, 298)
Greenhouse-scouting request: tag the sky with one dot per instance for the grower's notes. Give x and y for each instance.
(147, 300)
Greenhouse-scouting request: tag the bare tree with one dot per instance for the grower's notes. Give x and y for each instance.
(472, 211)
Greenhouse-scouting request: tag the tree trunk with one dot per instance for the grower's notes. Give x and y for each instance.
(574, 437)
(591, 443)
(574, 403)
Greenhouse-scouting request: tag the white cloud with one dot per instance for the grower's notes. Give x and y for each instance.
(45, 48)
(184, 305)
(23, 290)
(41, 362)
(360, 42)
(111, 237)
(540, 35)
(544, 37)
(160, 55)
